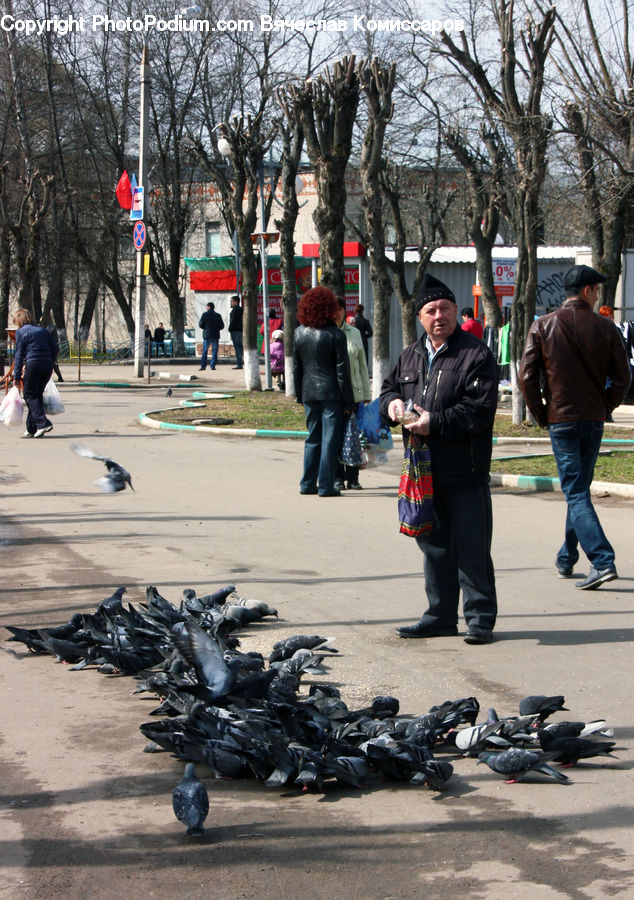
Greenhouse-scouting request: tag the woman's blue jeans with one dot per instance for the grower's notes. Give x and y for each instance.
(576, 447)
(321, 450)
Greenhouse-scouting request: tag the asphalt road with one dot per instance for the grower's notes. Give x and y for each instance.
(85, 812)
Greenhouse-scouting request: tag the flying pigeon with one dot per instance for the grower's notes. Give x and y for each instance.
(190, 801)
(117, 476)
(516, 763)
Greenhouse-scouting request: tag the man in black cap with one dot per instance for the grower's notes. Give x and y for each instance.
(568, 358)
(451, 376)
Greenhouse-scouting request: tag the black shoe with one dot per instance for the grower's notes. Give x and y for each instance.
(339, 485)
(354, 486)
(423, 629)
(478, 635)
(308, 491)
(236, 367)
(333, 493)
(596, 577)
(564, 572)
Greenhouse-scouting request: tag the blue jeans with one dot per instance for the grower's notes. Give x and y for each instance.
(576, 447)
(236, 337)
(321, 450)
(458, 555)
(207, 343)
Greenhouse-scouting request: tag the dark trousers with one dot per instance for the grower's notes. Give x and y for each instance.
(458, 555)
(576, 447)
(37, 374)
(236, 338)
(321, 450)
(347, 473)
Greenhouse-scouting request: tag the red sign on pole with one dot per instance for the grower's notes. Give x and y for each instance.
(138, 235)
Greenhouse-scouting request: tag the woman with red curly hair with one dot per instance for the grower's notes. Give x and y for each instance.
(322, 383)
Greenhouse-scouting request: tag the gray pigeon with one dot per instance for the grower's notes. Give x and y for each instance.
(515, 763)
(117, 476)
(190, 801)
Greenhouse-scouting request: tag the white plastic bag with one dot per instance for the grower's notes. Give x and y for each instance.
(52, 400)
(12, 407)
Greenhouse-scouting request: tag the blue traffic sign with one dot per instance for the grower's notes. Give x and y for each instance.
(138, 235)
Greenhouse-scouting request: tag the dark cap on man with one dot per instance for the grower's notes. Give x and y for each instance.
(580, 276)
(432, 289)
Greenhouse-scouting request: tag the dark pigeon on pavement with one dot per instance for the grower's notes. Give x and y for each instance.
(542, 705)
(569, 750)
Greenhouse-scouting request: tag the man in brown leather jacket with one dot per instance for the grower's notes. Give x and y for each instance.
(573, 373)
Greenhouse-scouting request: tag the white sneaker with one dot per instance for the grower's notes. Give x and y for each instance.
(27, 434)
(42, 431)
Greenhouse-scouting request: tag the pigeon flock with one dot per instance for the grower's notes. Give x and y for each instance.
(240, 715)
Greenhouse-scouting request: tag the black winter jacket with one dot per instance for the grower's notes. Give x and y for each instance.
(33, 342)
(460, 393)
(321, 369)
(212, 324)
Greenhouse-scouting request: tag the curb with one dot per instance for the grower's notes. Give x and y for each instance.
(534, 483)
(542, 483)
(147, 420)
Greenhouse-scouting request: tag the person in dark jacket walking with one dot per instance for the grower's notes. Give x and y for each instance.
(321, 374)
(364, 327)
(452, 379)
(35, 355)
(212, 324)
(235, 330)
(573, 372)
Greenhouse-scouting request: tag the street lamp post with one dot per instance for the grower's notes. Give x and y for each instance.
(139, 316)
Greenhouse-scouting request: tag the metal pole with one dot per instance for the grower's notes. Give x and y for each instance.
(265, 284)
(139, 315)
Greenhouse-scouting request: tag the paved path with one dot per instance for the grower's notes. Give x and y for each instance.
(82, 804)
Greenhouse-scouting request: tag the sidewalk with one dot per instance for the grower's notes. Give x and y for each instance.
(84, 805)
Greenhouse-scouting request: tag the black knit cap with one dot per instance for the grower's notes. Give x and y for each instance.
(432, 289)
(579, 276)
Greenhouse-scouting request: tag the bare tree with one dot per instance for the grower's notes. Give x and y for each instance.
(514, 107)
(174, 201)
(598, 71)
(486, 179)
(327, 107)
(377, 85)
(292, 138)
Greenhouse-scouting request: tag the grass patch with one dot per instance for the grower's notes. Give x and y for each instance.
(615, 465)
(272, 409)
(248, 409)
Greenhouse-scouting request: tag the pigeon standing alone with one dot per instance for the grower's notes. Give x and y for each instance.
(117, 476)
(190, 801)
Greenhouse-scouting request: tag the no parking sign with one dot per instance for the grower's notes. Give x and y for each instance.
(138, 235)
